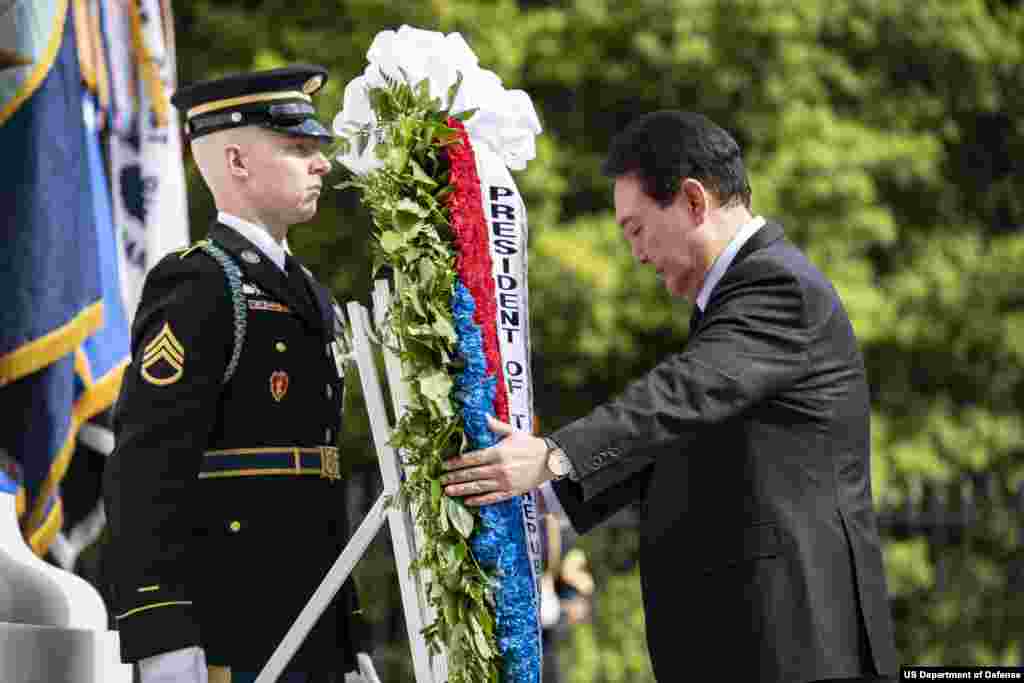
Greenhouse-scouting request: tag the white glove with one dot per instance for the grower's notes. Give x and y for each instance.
(366, 673)
(187, 665)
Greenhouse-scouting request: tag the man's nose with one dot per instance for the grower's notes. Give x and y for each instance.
(321, 164)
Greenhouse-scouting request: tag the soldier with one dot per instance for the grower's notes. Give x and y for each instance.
(223, 496)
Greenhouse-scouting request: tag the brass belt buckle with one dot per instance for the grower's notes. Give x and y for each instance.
(330, 464)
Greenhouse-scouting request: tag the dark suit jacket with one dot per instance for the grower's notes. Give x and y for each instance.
(226, 563)
(750, 451)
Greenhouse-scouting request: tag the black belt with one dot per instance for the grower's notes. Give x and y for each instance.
(321, 461)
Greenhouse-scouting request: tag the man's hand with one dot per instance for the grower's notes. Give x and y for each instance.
(507, 469)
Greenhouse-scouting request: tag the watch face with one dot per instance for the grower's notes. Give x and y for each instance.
(558, 463)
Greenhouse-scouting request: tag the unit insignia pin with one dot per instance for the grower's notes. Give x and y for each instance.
(278, 385)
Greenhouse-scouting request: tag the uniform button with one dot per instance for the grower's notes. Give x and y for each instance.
(328, 436)
(280, 346)
(330, 392)
(235, 526)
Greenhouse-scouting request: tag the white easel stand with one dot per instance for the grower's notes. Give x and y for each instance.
(400, 521)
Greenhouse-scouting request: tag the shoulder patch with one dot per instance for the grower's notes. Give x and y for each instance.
(163, 359)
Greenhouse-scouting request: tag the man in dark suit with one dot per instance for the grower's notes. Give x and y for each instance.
(749, 449)
(223, 494)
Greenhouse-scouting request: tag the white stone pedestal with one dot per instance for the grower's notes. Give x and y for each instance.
(47, 654)
(53, 624)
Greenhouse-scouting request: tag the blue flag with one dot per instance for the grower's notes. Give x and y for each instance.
(63, 339)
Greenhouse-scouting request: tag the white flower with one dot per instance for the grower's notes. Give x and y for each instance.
(505, 119)
(355, 106)
(355, 115)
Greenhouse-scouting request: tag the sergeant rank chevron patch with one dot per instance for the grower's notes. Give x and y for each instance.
(163, 359)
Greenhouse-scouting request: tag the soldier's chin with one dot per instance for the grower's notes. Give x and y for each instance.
(306, 212)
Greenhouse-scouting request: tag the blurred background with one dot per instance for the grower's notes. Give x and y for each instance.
(882, 134)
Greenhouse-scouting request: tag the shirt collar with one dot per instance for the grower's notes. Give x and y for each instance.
(256, 234)
(724, 259)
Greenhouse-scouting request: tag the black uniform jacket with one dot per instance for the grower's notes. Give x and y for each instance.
(749, 451)
(227, 561)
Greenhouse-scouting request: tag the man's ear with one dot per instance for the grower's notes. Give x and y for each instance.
(238, 164)
(696, 200)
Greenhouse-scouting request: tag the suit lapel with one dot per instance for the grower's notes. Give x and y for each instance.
(695, 317)
(264, 272)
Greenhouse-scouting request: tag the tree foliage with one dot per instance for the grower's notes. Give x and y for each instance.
(881, 133)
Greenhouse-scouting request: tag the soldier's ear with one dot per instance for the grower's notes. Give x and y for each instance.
(238, 164)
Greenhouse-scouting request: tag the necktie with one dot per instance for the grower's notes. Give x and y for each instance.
(297, 280)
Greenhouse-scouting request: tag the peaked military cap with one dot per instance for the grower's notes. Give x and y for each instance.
(279, 99)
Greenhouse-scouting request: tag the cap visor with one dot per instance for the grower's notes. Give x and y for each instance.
(310, 128)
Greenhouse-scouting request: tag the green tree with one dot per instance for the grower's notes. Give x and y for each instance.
(881, 134)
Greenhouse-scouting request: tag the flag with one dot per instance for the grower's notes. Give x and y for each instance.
(147, 172)
(63, 333)
(132, 71)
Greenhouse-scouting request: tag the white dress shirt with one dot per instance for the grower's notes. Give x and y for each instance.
(258, 235)
(718, 269)
(725, 259)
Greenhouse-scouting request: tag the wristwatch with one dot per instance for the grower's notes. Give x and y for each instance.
(558, 462)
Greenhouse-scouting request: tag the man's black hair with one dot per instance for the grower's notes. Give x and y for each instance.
(664, 147)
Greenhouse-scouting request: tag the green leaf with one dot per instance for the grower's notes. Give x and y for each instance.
(436, 386)
(420, 176)
(451, 611)
(487, 621)
(425, 269)
(467, 114)
(461, 550)
(480, 640)
(443, 518)
(435, 493)
(405, 221)
(451, 558)
(445, 330)
(406, 205)
(391, 241)
(456, 655)
(460, 516)
(453, 90)
(414, 297)
(397, 158)
(423, 90)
